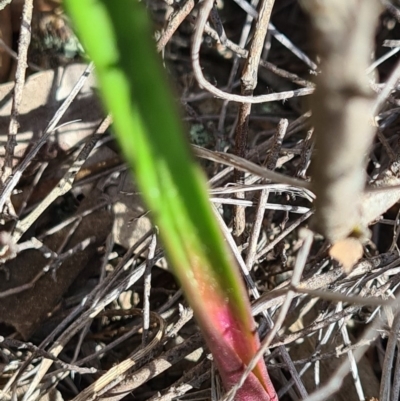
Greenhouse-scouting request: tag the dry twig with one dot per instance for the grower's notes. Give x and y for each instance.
(249, 83)
(341, 105)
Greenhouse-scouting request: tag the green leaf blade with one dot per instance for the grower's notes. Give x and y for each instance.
(148, 126)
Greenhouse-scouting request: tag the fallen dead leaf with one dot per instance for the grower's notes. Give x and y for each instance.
(27, 310)
(44, 92)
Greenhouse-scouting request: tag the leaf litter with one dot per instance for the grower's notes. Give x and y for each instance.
(72, 287)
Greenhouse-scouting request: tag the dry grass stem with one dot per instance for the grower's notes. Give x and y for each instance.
(248, 84)
(24, 41)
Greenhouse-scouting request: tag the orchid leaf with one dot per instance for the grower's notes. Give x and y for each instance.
(134, 88)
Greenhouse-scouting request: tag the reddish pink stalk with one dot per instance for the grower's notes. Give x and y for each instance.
(231, 336)
(232, 354)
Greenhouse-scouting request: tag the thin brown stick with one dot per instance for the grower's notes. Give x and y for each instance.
(147, 289)
(305, 156)
(174, 20)
(244, 165)
(235, 65)
(251, 11)
(195, 53)
(249, 83)
(239, 220)
(385, 390)
(396, 376)
(240, 51)
(271, 164)
(14, 55)
(24, 41)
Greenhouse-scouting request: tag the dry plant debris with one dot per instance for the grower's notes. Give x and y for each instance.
(80, 262)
